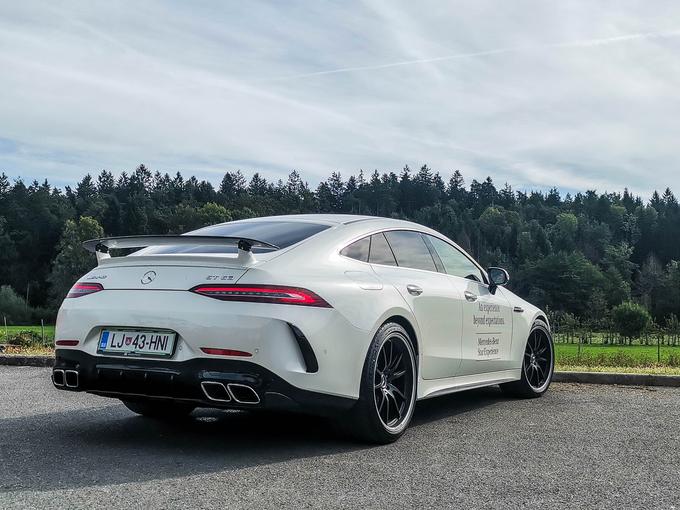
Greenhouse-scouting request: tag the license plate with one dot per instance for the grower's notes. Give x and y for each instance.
(137, 343)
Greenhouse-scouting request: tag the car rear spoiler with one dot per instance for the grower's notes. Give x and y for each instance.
(101, 246)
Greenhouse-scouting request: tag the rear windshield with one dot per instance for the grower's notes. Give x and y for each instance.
(278, 233)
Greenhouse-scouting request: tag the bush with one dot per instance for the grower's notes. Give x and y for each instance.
(47, 314)
(26, 338)
(631, 319)
(13, 307)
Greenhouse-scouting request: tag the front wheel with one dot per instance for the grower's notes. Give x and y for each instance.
(163, 410)
(538, 365)
(388, 387)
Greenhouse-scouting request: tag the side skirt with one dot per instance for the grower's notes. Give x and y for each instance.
(435, 387)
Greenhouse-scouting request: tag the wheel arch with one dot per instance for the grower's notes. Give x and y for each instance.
(541, 321)
(406, 324)
(541, 317)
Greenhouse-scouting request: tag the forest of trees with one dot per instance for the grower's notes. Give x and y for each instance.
(580, 254)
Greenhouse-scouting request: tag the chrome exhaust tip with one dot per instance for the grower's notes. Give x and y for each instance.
(215, 391)
(58, 377)
(243, 394)
(71, 378)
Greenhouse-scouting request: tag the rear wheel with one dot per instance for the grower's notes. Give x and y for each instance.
(159, 409)
(537, 366)
(388, 387)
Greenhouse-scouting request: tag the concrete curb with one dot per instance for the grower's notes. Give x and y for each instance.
(614, 378)
(26, 361)
(560, 377)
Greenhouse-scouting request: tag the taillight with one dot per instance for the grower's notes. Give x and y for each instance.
(83, 289)
(262, 294)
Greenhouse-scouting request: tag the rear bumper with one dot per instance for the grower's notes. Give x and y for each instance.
(330, 363)
(138, 379)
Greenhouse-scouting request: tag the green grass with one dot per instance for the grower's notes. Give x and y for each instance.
(632, 356)
(6, 335)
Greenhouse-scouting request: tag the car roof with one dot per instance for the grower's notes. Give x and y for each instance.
(335, 219)
(329, 219)
(345, 221)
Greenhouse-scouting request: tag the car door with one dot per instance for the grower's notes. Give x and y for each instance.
(487, 315)
(402, 258)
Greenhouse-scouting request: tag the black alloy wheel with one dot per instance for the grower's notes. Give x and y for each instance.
(538, 360)
(387, 393)
(538, 364)
(393, 382)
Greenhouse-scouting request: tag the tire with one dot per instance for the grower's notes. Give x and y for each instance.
(162, 410)
(387, 393)
(536, 374)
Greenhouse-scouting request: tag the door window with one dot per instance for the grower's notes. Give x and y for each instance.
(455, 262)
(410, 249)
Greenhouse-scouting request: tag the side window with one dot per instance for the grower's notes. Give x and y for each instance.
(381, 253)
(455, 262)
(357, 250)
(410, 249)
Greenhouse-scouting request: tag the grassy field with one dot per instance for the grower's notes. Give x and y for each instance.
(596, 357)
(617, 355)
(13, 331)
(594, 338)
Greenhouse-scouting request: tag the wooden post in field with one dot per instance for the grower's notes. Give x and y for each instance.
(658, 349)
(42, 329)
(6, 332)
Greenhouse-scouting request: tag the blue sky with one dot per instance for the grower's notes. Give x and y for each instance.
(576, 94)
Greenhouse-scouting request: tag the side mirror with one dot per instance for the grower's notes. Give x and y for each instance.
(498, 277)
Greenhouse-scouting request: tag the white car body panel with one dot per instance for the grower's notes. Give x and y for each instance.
(362, 295)
(439, 314)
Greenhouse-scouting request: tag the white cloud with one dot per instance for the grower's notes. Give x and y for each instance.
(574, 94)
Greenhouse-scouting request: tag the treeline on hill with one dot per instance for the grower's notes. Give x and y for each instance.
(580, 255)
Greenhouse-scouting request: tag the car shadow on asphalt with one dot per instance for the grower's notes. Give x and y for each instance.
(109, 445)
(455, 404)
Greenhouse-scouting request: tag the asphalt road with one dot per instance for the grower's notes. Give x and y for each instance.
(577, 447)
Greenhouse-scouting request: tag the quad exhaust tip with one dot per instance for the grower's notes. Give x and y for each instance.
(71, 378)
(239, 393)
(243, 394)
(215, 391)
(58, 377)
(68, 378)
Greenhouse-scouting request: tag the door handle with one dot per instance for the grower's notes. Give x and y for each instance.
(414, 290)
(470, 296)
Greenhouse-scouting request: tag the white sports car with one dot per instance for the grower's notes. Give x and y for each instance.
(351, 316)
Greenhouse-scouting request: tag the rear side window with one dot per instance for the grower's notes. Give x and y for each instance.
(278, 233)
(381, 253)
(410, 250)
(357, 250)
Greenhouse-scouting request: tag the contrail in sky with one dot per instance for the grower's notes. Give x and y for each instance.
(572, 44)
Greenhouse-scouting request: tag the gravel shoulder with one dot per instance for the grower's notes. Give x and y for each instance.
(579, 446)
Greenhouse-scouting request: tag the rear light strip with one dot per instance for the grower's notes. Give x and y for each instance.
(225, 352)
(67, 343)
(83, 289)
(262, 294)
